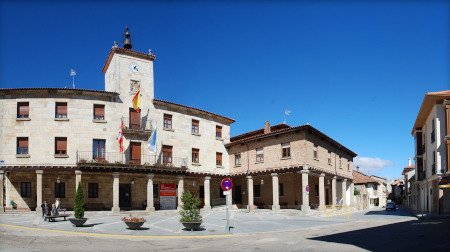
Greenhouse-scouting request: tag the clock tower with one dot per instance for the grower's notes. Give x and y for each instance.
(127, 71)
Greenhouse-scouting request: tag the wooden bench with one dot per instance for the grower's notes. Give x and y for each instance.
(53, 217)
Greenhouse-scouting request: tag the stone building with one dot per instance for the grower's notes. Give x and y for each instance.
(290, 167)
(54, 138)
(371, 191)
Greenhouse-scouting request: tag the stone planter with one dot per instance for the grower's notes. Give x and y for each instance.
(134, 225)
(78, 222)
(192, 226)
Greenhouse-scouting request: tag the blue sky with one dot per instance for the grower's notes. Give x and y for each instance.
(357, 71)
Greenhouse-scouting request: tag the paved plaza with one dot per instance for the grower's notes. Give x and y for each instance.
(372, 230)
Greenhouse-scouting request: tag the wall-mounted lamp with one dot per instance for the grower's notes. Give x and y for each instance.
(243, 192)
(328, 182)
(194, 183)
(58, 180)
(132, 181)
(262, 181)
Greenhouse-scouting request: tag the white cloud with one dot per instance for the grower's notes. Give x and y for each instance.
(371, 165)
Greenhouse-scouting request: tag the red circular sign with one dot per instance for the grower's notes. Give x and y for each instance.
(226, 184)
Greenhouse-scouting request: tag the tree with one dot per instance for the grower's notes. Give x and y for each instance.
(78, 206)
(191, 208)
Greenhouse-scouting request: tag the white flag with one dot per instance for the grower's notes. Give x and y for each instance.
(151, 143)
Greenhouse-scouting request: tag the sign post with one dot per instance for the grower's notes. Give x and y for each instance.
(226, 185)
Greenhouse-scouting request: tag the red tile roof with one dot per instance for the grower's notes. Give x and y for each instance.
(284, 129)
(67, 90)
(226, 120)
(361, 178)
(259, 132)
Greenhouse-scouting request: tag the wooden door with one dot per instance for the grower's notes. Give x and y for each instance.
(124, 195)
(135, 149)
(135, 119)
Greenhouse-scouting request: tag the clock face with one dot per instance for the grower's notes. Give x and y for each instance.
(134, 67)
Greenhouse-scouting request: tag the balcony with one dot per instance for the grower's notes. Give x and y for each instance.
(89, 158)
(137, 127)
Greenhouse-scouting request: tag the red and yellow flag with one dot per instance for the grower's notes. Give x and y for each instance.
(137, 101)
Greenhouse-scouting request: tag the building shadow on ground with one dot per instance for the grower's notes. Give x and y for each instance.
(410, 235)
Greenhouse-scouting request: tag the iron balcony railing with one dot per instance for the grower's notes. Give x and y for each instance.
(89, 157)
(139, 124)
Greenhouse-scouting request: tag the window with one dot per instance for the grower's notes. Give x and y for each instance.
(61, 110)
(340, 162)
(134, 86)
(23, 110)
(98, 149)
(218, 158)
(60, 190)
(329, 157)
(315, 151)
(433, 166)
(93, 190)
(285, 150)
(195, 155)
(260, 155)
(195, 127)
(316, 190)
(433, 131)
(348, 166)
(99, 112)
(25, 189)
(22, 146)
(237, 159)
(167, 154)
(218, 132)
(256, 191)
(60, 145)
(281, 189)
(167, 121)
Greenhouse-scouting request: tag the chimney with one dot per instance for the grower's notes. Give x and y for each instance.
(409, 161)
(266, 127)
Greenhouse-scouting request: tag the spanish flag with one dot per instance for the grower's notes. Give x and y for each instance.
(137, 101)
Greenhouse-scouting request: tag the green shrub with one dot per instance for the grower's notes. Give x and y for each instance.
(191, 208)
(78, 206)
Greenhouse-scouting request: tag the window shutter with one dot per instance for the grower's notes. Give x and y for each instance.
(61, 108)
(99, 110)
(23, 143)
(61, 144)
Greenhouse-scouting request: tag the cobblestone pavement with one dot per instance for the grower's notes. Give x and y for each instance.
(372, 230)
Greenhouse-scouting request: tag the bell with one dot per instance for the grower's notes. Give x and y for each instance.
(127, 42)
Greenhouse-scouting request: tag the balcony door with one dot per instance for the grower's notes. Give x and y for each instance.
(98, 150)
(135, 119)
(135, 153)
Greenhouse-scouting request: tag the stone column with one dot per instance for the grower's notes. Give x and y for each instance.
(250, 193)
(344, 192)
(180, 191)
(77, 179)
(39, 191)
(305, 193)
(207, 193)
(333, 192)
(275, 192)
(322, 192)
(150, 203)
(352, 194)
(2, 208)
(115, 208)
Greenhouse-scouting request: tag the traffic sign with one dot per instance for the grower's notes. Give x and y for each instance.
(226, 184)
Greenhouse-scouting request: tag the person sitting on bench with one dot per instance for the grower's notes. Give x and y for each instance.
(54, 210)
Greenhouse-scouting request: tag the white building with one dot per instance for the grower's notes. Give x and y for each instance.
(431, 133)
